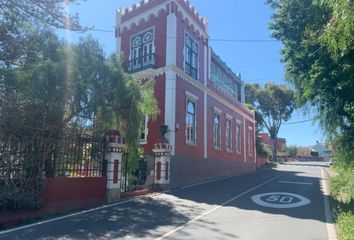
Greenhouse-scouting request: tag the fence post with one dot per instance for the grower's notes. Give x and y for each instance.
(162, 152)
(114, 159)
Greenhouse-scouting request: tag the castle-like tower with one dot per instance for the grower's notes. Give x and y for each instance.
(210, 131)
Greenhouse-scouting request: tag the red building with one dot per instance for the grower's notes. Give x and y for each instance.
(268, 142)
(211, 133)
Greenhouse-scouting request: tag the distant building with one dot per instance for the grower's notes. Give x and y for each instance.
(268, 142)
(322, 150)
(304, 151)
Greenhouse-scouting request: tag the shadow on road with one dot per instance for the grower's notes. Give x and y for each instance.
(218, 192)
(151, 216)
(136, 219)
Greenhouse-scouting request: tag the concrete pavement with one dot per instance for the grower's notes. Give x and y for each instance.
(283, 203)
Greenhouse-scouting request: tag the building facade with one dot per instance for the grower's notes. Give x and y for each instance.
(322, 151)
(268, 142)
(201, 100)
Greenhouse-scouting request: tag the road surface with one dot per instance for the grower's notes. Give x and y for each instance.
(288, 202)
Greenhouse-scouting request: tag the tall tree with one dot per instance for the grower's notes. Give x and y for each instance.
(275, 103)
(15, 17)
(318, 39)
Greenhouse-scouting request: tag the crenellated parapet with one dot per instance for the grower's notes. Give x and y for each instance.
(201, 21)
(147, 9)
(138, 8)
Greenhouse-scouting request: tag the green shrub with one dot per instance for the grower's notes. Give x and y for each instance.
(345, 223)
(342, 191)
(342, 185)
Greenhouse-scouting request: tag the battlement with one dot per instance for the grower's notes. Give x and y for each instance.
(194, 12)
(138, 8)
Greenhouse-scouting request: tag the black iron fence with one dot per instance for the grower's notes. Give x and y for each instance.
(26, 160)
(79, 155)
(22, 161)
(139, 177)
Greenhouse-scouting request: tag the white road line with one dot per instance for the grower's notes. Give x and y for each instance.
(301, 183)
(220, 179)
(215, 208)
(64, 217)
(331, 231)
(201, 183)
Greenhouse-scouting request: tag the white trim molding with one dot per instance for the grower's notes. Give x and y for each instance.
(170, 108)
(217, 110)
(228, 116)
(171, 40)
(191, 96)
(151, 73)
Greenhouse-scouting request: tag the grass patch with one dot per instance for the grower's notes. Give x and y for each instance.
(345, 223)
(342, 198)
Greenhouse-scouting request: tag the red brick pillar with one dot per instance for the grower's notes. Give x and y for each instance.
(162, 152)
(113, 157)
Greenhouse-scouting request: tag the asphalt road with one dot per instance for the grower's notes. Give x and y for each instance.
(283, 203)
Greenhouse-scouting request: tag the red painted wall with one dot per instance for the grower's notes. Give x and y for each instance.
(196, 151)
(184, 27)
(261, 161)
(80, 191)
(250, 158)
(266, 140)
(154, 124)
(223, 154)
(159, 24)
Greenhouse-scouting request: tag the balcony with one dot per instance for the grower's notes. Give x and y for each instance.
(141, 63)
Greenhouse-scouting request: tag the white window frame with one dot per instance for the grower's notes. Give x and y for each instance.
(146, 132)
(228, 132)
(193, 139)
(250, 141)
(193, 98)
(238, 137)
(191, 58)
(218, 133)
(141, 58)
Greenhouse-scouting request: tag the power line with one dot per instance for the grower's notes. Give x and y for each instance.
(210, 39)
(101, 30)
(309, 120)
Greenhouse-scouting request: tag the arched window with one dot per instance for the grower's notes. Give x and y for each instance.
(136, 42)
(190, 122)
(238, 138)
(228, 135)
(142, 50)
(147, 37)
(217, 131)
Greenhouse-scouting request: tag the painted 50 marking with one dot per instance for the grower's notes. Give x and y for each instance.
(280, 200)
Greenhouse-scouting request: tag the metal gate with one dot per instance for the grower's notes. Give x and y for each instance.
(139, 178)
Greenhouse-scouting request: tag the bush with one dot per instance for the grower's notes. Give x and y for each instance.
(342, 191)
(342, 185)
(345, 223)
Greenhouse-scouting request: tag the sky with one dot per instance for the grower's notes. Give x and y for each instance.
(229, 22)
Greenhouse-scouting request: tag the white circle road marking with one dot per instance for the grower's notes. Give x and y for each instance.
(280, 200)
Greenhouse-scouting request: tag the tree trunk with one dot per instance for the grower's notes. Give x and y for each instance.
(275, 149)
